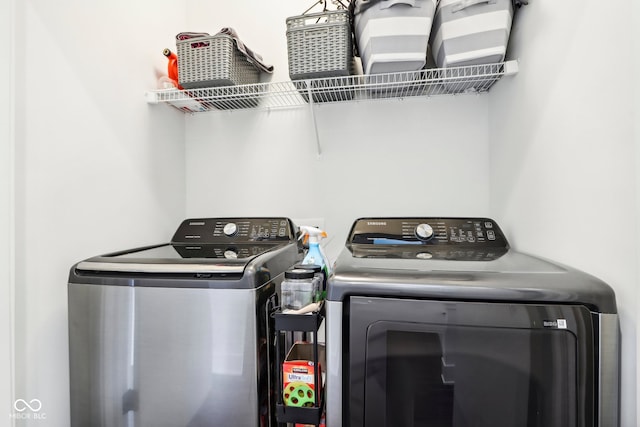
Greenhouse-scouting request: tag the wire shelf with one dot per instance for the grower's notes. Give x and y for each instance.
(423, 83)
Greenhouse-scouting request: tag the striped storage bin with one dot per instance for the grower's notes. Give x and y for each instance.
(471, 32)
(393, 35)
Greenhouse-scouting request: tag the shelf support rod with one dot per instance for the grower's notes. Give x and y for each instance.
(313, 117)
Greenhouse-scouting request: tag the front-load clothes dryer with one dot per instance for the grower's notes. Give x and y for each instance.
(178, 334)
(437, 322)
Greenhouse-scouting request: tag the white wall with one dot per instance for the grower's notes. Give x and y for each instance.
(564, 159)
(6, 214)
(549, 153)
(563, 162)
(411, 157)
(97, 169)
(635, 9)
(395, 158)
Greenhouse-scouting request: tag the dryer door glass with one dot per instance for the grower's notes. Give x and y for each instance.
(443, 364)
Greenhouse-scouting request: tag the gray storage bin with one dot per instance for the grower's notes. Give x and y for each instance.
(319, 45)
(213, 61)
(471, 32)
(393, 35)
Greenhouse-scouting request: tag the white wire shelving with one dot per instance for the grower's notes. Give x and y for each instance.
(423, 83)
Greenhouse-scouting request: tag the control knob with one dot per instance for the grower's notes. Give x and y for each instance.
(230, 254)
(424, 232)
(230, 229)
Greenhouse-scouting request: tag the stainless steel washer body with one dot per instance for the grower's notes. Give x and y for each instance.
(178, 334)
(439, 319)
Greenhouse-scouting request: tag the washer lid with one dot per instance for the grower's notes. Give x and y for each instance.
(179, 259)
(202, 246)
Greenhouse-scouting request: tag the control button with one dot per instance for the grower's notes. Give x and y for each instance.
(230, 229)
(491, 235)
(230, 254)
(424, 232)
(488, 224)
(282, 232)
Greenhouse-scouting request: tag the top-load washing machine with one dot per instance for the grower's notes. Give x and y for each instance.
(178, 334)
(437, 322)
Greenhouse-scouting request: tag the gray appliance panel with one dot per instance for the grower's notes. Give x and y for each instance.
(376, 264)
(513, 277)
(454, 258)
(163, 357)
(203, 246)
(334, 349)
(370, 316)
(173, 259)
(186, 273)
(609, 378)
(162, 267)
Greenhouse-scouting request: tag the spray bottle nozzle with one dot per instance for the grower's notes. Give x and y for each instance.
(309, 233)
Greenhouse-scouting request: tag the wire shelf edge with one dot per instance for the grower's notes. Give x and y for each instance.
(471, 79)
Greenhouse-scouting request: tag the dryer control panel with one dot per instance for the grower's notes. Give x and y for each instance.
(448, 238)
(236, 230)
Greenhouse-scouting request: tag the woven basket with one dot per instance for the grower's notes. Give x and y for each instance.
(213, 61)
(320, 45)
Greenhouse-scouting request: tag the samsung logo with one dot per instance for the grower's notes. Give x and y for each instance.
(560, 323)
(376, 223)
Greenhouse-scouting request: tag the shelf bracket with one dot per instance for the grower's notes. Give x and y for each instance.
(511, 67)
(152, 97)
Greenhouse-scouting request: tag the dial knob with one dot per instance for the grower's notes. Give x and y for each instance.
(230, 229)
(424, 232)
(230, 254)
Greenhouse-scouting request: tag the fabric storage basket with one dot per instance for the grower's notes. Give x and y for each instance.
(213, 61)
(471, 32)
(320, 45)
(393, 35)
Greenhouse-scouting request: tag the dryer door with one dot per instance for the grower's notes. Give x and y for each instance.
(463, 364)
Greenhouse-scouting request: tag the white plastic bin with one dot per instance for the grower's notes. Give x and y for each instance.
(471, 32)
(393, 35)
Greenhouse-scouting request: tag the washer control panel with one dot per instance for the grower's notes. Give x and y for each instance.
(476, 232)
(229, 251)
(455, 239)
(236, 230)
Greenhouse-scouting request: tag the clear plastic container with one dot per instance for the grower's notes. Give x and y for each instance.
(319, 278)
(297, 289)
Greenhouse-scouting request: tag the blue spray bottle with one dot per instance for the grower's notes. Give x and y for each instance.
(315, 254)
